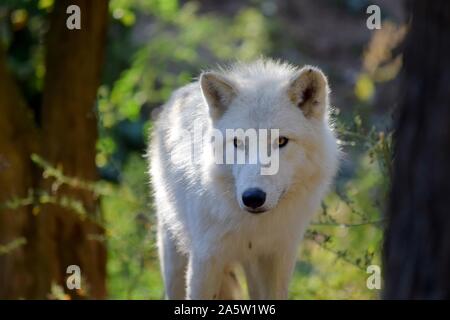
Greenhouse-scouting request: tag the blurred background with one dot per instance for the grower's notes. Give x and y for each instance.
(76, 110)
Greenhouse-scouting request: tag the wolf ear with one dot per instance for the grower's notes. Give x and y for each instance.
(309, 91)
(218, 92)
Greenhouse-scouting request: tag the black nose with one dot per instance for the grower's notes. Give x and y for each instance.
(253, 198)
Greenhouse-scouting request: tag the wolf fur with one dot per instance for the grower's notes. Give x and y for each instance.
(204, 229)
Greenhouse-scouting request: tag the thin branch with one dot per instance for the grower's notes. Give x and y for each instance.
(13, 245)
(347, 225)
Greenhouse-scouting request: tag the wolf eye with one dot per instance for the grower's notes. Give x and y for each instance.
(282, 141)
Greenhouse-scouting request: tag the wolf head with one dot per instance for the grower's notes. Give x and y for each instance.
(287, 109)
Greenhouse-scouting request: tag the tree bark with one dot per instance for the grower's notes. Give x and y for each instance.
(57, 237)
(18, 138)
(417, 239)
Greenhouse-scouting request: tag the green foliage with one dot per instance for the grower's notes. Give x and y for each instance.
(23, 25)
(171, 57)
(133, 266)
(344, 239)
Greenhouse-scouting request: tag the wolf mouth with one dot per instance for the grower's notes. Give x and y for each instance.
(256, 211)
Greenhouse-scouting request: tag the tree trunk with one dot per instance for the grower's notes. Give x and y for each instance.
(57, 237)
(417, 239)
(17, 137)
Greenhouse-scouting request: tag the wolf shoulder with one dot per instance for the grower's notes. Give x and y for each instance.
(184, 107)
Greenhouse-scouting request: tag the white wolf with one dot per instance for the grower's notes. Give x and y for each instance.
(212, 217)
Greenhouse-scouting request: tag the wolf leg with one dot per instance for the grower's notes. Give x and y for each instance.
(268, 276)
(204, 277)
(253, 274)
(230, 288)
(173, 265)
